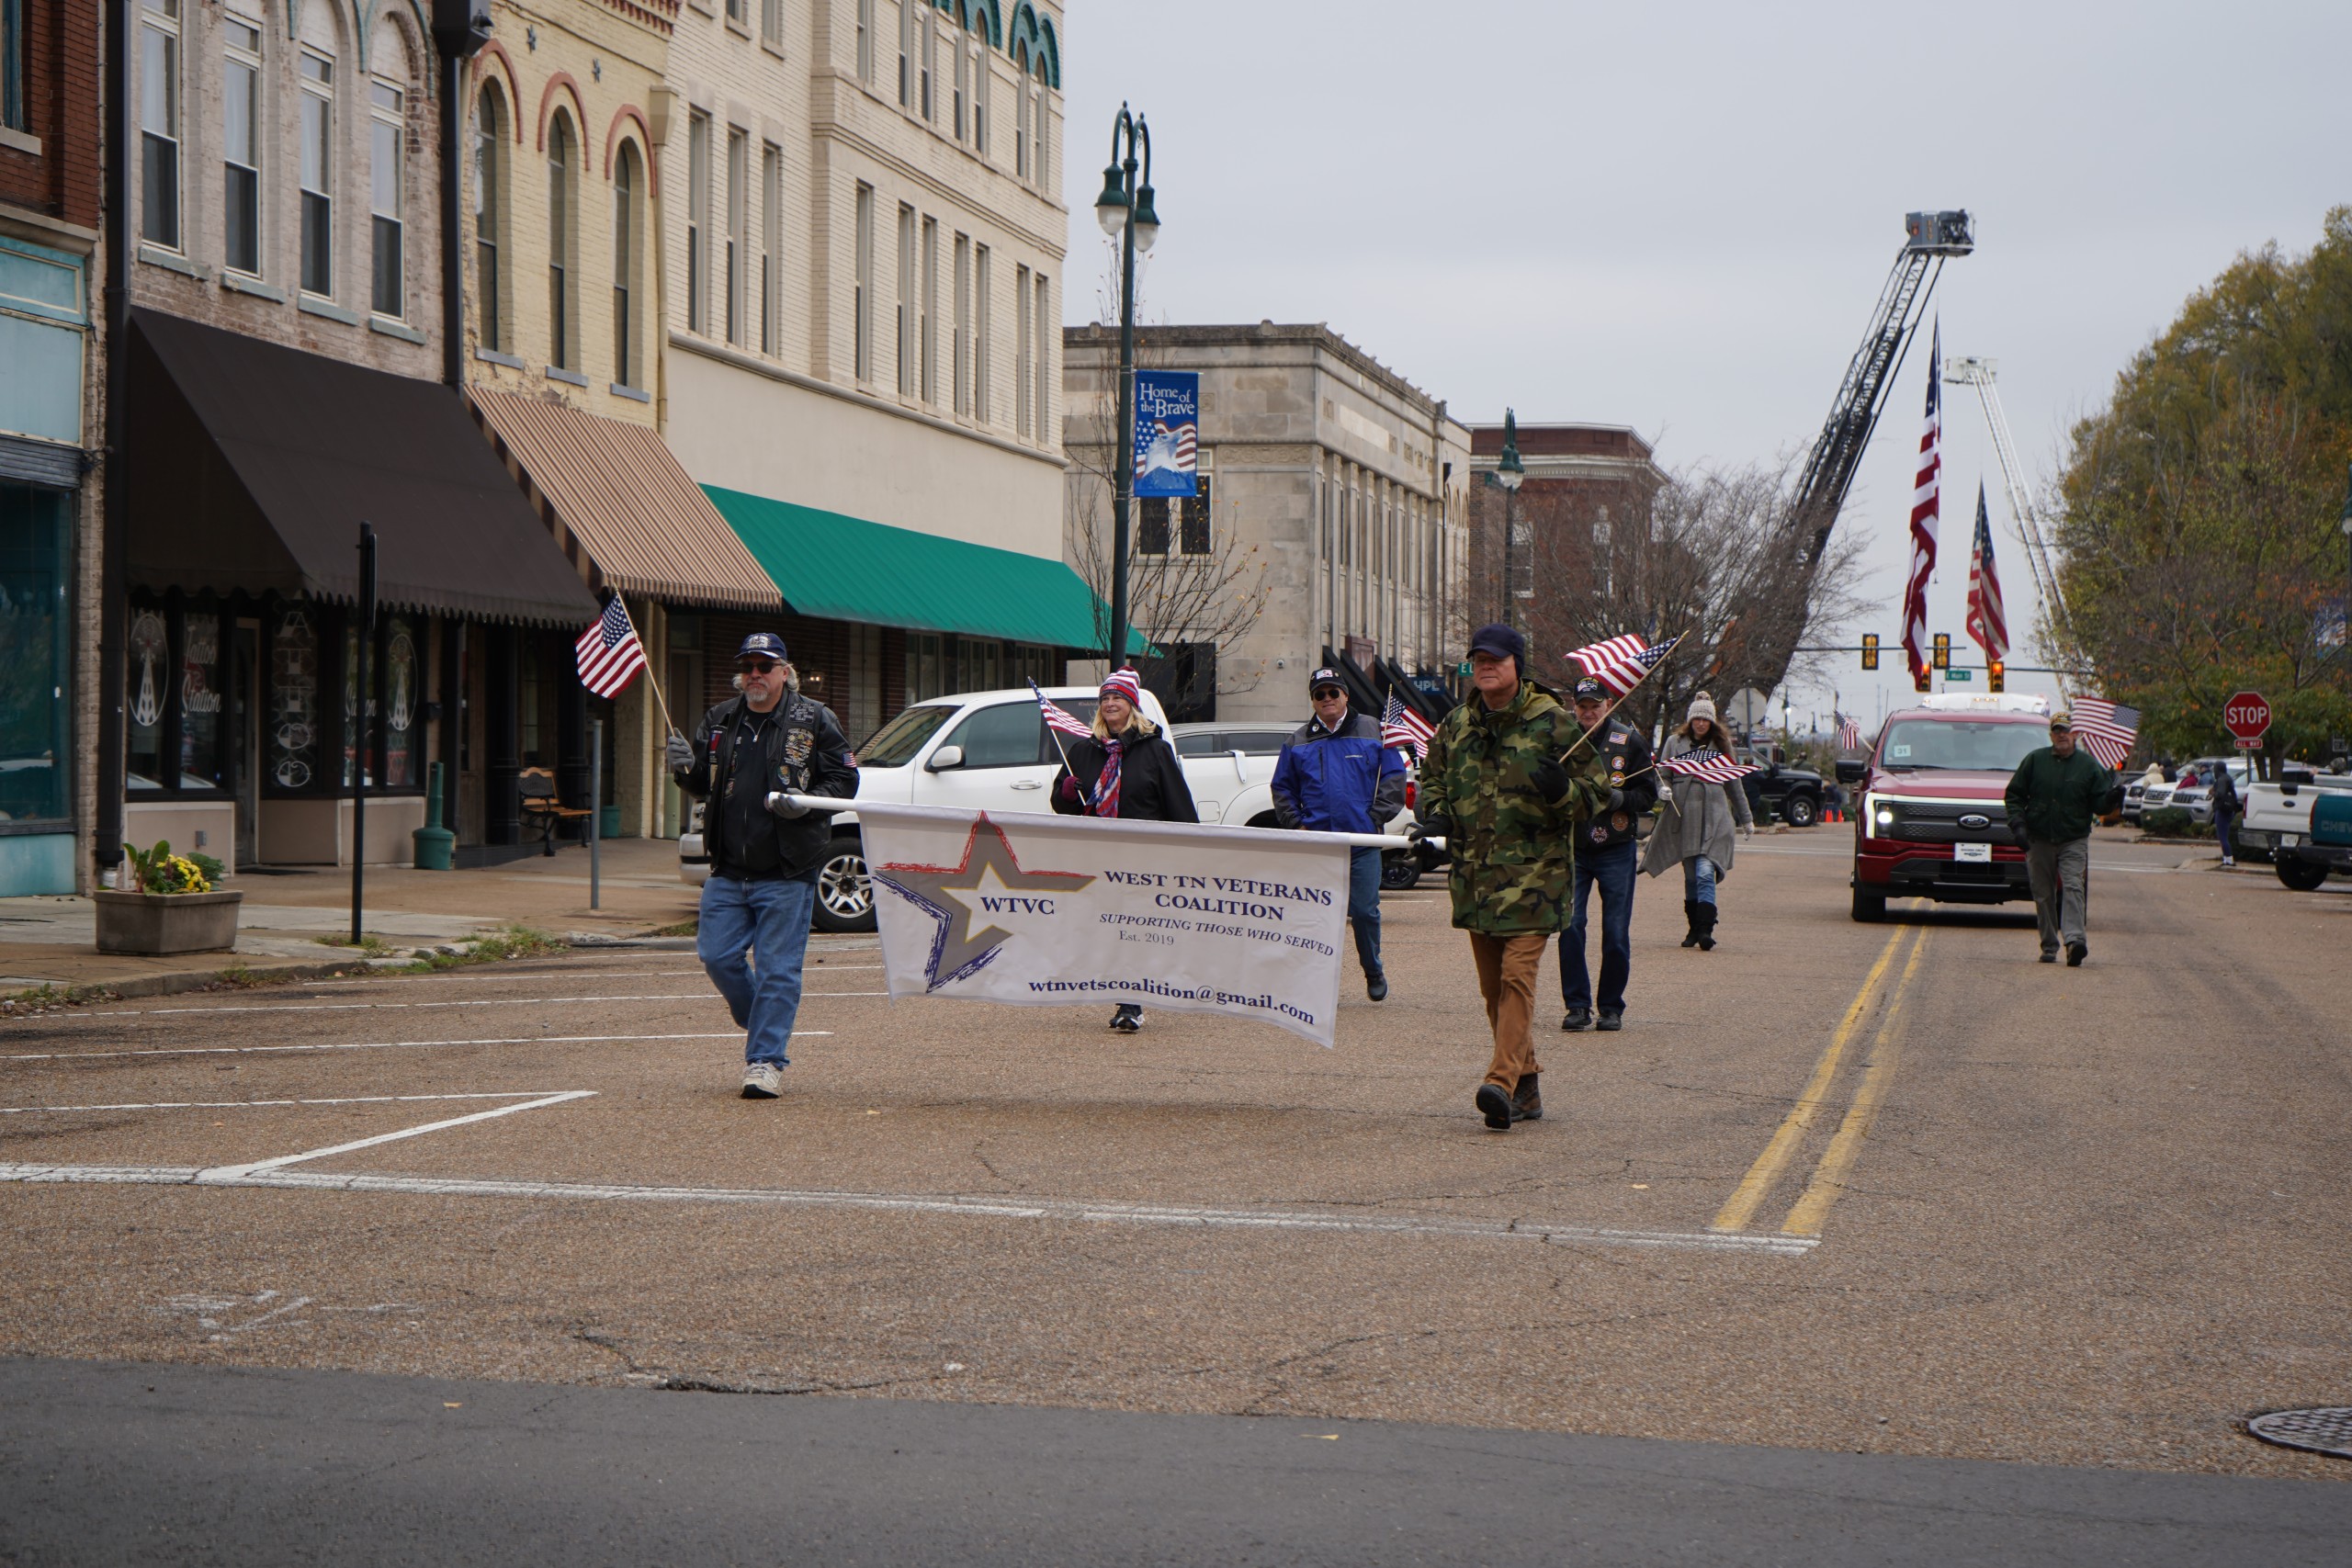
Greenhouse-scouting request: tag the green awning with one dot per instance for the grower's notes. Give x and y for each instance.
(844, 569)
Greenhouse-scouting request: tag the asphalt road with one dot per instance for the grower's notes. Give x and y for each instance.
(1892, 1190)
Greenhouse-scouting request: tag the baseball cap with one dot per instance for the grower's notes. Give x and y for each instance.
(1499, 641)
(1327, 676)
(2062, 720)
(762, 645)
(1592, 691)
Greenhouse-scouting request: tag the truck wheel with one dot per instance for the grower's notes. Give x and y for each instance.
(1399, 869)
(845, 893)
(1869, 907)
(2299, 873)
(1802, 810)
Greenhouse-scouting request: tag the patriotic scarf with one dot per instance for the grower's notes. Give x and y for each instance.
(1105, 799)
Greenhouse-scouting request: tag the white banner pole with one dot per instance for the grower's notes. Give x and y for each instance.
(1287, 835)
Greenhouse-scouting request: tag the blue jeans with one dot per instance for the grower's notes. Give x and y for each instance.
(1363, 904)
(2226, 829)
(767, 921)
(1698, 879)
(1615, 868)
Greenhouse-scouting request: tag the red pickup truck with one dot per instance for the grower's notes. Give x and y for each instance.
(1931, 823)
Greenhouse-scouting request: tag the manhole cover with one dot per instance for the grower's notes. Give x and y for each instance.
(2326, 1430)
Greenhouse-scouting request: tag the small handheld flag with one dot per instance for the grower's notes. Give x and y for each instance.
(1710, 765)
(1060, 717)
(1402, 729)
(609, 654)
(1620, 663)
(2105, 730)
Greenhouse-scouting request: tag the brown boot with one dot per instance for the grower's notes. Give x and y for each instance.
(1527, 1099)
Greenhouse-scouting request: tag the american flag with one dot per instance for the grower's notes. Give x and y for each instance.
(1709, 764)
(1849, 733)
(2105, 730)
(1402, 729)
(1925, 493)
(610, 655)
(1060, 717)
(1186, 437)
(1621, 661)
(1987, 622)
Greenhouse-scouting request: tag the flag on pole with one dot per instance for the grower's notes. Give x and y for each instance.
(1926, 491)
(610, 656)
(1849, 733)
(1402, 729)
(2105, 730)
(1710, 764)
(1060, 717)
(1987, 622)
(1621, 661)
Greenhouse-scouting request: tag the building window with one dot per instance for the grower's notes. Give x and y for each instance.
(697, 219)
(1041, 148)
(931, 310)
(318, 174)
(1194, 518)
(862, 299)
(735, 12)
(562, 336)
(240, 146)
(14, 54)
(962, 81)
(159, 122)
(1021, 112)
(628, 226)
(909, 11)
(865, 42)
(981, 338)
(37, 751)
(490, 211)
(905, 300)
(981, 75)
(771, 248)
(930, 61)
(1043, 365)
(963, 357)
(384, 131)
(1020, 340)
(772, 23)
(739, 155)
(1151, 525)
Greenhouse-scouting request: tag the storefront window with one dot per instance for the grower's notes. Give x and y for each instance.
(293, 699)
(149, 677)
(400, 677)
(201, 701)
(34, 655)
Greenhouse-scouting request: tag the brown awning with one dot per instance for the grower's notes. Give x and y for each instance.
(253, 465)
(613, 492)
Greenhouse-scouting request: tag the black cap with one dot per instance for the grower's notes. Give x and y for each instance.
(1592, 691)
(1327, 676)
(763, 645)
(1500, 641)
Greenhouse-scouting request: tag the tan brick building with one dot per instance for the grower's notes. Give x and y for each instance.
(1584, 485)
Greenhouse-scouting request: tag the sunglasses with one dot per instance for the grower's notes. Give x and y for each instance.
(756, 666)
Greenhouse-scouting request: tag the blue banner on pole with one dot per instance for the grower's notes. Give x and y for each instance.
(1168, 432)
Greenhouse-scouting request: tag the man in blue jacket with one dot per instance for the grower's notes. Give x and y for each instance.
(1336, 777)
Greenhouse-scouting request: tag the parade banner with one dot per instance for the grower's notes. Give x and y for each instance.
(1168, 432)
(1054, 911)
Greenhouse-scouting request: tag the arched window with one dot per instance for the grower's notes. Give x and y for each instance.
(562, 229)
(1042, 136)
(490, 211)
(628, 242)
(1021, 111)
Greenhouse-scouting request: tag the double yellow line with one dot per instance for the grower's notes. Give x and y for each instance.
(1846, 1146)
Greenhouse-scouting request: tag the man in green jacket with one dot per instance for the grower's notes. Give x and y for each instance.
(1500, 785)
(2053, 797)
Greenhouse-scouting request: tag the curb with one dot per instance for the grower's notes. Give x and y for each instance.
(174, 984)
(598, 941)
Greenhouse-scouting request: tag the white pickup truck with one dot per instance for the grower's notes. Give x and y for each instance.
(2277, 820)
(990, 752)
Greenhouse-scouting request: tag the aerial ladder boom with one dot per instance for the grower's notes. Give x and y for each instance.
(1979, 374)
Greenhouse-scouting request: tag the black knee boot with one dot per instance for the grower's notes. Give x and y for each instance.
(1690, 907)
(1706, 928)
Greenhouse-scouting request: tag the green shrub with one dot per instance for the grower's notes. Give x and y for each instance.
(2173, 822)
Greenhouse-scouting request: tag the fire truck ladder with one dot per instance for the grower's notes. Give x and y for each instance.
(1978, 373)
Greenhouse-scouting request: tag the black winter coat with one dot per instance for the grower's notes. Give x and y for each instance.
(1151, 781)
(803, 753)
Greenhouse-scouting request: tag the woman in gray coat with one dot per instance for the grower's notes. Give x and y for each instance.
(1696, 831)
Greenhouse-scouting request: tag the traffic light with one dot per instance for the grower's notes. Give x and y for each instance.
(1870, 650)
(1943, 650)
(1994, 671)
(1925, 681)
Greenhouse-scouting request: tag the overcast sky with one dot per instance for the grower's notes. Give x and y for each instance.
(1679, 217)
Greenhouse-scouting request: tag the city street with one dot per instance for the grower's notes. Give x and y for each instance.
(1885, 1190)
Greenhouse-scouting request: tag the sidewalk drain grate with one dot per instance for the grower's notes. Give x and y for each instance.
(2324, 1430)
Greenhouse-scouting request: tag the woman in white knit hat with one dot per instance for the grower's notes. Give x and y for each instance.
(1696, 831)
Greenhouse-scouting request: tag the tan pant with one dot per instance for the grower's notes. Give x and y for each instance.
(1507, 966)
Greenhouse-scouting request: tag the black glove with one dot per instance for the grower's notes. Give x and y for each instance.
(779, 805)
(679, 752)
(1430, 827)
(1551, 780)
(1616, 800)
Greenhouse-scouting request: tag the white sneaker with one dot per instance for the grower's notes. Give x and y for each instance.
(762, 1081)
(2227, 863)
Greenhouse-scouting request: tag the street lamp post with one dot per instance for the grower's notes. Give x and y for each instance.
(1125, 211)
(1519, 565)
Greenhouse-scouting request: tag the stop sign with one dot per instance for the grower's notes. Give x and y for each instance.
(2246, 716)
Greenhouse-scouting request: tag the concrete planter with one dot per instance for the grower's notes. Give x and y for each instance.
(167, 922)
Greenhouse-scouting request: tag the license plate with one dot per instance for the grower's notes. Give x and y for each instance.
(1971, 852)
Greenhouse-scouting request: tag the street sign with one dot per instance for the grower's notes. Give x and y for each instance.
(1960, 675)
(2246, 716)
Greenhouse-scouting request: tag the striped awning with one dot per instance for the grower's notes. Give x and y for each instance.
(612, 493)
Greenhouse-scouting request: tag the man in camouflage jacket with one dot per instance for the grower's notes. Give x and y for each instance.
(1501, 784)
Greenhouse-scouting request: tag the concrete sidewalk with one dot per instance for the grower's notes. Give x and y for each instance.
(52, 942)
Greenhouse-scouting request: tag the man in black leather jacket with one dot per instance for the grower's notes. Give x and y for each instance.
(747, 755)
(1608, 855)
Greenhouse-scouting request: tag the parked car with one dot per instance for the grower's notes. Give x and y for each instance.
(1794, 794)
(2193, 792)
(2303, 821)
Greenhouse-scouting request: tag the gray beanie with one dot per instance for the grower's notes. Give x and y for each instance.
(1701, 706)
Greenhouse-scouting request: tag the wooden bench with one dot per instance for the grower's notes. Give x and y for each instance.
(541, 807)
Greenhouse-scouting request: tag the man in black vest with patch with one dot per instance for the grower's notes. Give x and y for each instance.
(1608, 855)
(748, 754)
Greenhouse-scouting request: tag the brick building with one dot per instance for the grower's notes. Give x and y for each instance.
(1585, 485)
(51, 417)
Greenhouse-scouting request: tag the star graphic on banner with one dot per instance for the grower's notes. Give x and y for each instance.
(967, 935)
